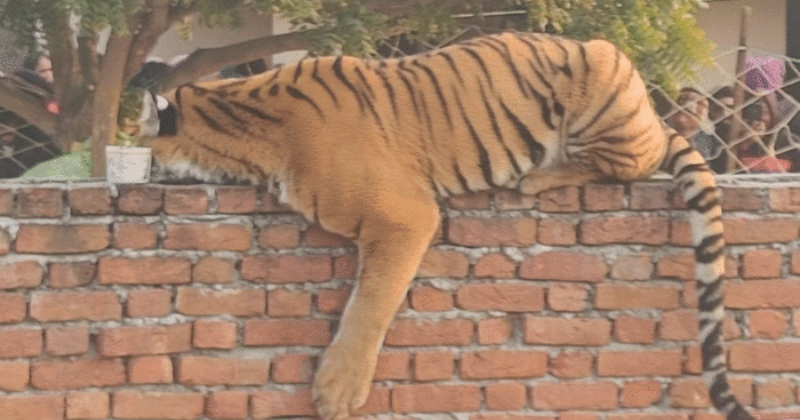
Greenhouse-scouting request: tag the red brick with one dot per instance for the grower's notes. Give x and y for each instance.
(557, 232)
(5, 242)
(574, 396)
(600, 197)
(64, 275)
(139, 199)
(433, 366)
(740, 231)
(649, 416)
(505, 416)
(640, 394)
(279, 236)
(345, 266)
(214, 270)
(93, 405)
(679, 325)
(20, 274)
(494, 331)
(236, 302)
(14, 376)
(784, 200)
(333, 301)
(761, 263)
(632, 267)
(20, 343)
(506, 396)
(647, 230)
(563, 266)
(682, 266)
(508, 297)
(197, 370)
(287, 332)
(62, 239)
(28, 407)
(283, 303)
(393, 366)
(762, 294)
(287, 268)
(40, 202)
(428, 398)
(776, 393)
(578, 415)
(470, 231)
(135, 236)
(69, 306)
(764, 357)
(498, 266)
(431, 299)
(157, 405)
(268, 203)
(443, 263)
(6, 202)
(12, 308)
(767, 323)
(213, 237)
(493, 364)
(615, 296)
(560, 200)
(185, 200)
(567, 297)
(236, 200)
(475, 201)
(278, 403)
(149, 303)
(209, 334)
(227, 405)
(89, 201)
(150, 370)
(572, 364)
(560, 331)
(639, 363)
(411, 332)
(58, 375)
(153, 270)
(794, 267)
(650, 196)
(316, 237)
(513, 200)
(628, 329)
(67, 340)
(742, 199)
(292, 368)
(132, 341)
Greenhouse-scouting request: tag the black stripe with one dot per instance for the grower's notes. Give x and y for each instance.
(460, 176)
(297, 71)
(274, 90)
(670, 166)
(438, 88)
(360, 75)
(701, 252)
(274, 76)
(618, 122)
(483, 155)
(390, 91)
(609, 102)
(452, 64)
(212, 123)
(706, 291)
(411, 93)
(255, 94)
(222, 106)
(297, 94)
(178, 104)
(250, 166)
(496, 128)
(316, 78)
(694, 202)
(584, 58)
(480, 62)
(337, 70)
(506, 55)
(256, 112)
(535, 149)
(711, 341)
(542, 79)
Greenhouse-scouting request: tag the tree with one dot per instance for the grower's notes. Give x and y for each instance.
(660, 36)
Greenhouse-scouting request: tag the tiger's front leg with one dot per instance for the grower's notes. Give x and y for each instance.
(390, 251)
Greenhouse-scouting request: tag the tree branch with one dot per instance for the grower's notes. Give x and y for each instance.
(58, 34)
(156, 22)
(27, 108)
(393, 8)
(208, 60)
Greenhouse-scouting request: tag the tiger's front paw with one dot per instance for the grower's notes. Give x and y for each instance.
(342, 383)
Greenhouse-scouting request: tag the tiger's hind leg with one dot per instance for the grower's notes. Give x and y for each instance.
(393, 239)
(538, 180)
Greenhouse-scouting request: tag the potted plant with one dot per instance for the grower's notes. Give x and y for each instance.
(126, 161)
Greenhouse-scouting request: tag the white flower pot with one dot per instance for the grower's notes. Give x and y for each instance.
(128, 165)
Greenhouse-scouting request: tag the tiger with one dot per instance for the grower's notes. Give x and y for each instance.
(367, 148)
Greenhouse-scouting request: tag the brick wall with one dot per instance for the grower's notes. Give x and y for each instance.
(153, 302)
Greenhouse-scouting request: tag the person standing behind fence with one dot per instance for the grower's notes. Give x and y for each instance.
(693, 109)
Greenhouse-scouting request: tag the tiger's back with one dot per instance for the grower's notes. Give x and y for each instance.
(364, 147)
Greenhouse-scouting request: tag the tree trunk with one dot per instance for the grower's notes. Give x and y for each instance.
(106, 99)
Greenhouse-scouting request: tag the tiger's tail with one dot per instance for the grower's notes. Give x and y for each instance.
(696, 183)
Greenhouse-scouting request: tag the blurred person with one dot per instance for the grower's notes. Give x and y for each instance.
(688, 119)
